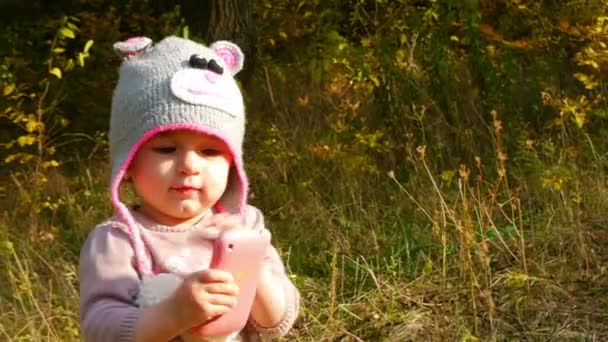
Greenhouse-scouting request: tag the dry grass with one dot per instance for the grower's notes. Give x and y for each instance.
(485, 253)
(434, 264)
(484, 256)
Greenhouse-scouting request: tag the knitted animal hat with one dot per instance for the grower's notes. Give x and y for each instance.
(176, 84)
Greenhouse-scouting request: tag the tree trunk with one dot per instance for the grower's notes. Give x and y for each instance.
(232, 20)
(219, 20)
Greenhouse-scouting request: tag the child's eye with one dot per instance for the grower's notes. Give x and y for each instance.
(211, 152)
(164, 150)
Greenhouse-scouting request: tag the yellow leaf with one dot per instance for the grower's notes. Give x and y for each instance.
(81, 60)
(448, 175)
(50, 163)
(375, 80)
(10, 158)
(581, 77)
(588, 81)
(69, 65)
(8, 89)
(56, 71)
(88, 45)
(58, 50)
(579, 119)
(31, 126)
(25, 140)
(72, 26)
(67, 33)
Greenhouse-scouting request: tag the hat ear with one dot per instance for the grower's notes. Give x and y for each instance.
(132, 47)
(230, 53)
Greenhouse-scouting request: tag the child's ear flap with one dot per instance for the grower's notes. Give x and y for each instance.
(230, 53)
(132, 47)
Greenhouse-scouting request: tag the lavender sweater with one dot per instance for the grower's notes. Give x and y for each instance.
(109, 282)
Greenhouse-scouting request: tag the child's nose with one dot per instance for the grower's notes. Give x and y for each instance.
(191, 163)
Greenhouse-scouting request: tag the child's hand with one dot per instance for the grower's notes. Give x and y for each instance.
(204, 295)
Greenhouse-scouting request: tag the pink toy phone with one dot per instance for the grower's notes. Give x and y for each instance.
(240, 252)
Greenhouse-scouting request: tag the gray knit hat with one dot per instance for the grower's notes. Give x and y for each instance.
(177, 84)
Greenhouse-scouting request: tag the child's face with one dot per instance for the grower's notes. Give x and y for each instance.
(179, 175)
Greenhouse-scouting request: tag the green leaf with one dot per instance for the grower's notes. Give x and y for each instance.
(67, 33)
(58, 50)
(88, 45)
(56, 71)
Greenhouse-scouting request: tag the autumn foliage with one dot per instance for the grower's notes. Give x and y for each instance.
(431, 170)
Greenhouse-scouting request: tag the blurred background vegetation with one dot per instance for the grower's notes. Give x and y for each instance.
(430, 170)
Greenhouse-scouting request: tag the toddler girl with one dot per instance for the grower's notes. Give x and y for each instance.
(176, 133)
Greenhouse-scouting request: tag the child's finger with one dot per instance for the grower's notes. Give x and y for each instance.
(222, 300)
(214, 276)
(229, 289)
(214, 310)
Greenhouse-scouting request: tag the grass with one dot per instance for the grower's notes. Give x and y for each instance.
(410, 251)
(422, 261)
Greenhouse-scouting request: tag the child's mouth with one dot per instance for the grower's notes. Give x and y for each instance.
(185, 190)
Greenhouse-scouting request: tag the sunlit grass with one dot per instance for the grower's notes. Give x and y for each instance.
(477, 254)
(402, 210)
(421, 260)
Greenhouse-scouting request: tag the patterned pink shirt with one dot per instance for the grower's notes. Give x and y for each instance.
(109, 281)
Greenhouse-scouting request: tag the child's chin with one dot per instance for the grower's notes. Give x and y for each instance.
(189, 211)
